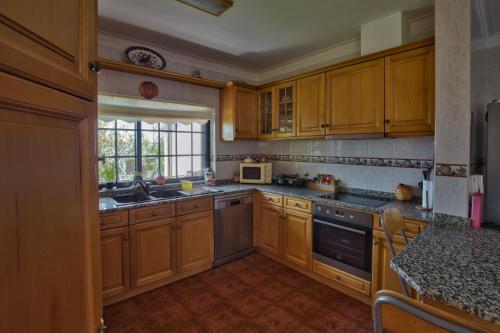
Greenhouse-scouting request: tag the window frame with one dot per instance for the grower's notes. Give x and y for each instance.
(138, 131)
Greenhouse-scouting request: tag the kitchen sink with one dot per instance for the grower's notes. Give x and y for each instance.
(132, 198)
(125, 199)
(167, 194)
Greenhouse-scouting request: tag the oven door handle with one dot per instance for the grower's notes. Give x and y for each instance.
(360, 232)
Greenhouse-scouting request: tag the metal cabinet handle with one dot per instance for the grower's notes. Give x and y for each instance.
(338, 277)
(95, 67)
(387, 121)
(375, 242)
(125, 238)
(296, 204)
(153, 213)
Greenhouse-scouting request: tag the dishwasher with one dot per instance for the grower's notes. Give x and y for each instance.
(233, 229)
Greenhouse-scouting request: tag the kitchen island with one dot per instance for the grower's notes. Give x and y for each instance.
(457, 266)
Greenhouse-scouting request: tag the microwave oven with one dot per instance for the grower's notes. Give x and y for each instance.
(256, 173)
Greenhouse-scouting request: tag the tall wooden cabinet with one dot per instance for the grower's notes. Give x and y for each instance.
(239, 116)
(50, 42)
(409, 92)
(355, 99)
(311, 105)
(49, 226)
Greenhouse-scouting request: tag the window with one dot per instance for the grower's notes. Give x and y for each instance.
(175, 150)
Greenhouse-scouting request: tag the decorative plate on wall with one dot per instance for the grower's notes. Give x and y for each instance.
(143, 56)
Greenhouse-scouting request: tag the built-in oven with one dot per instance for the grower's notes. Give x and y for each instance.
(342, 238)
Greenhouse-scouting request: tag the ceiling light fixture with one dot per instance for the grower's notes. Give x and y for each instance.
(214, 7)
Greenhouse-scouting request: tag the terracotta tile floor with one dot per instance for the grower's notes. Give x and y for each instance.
(253, 294)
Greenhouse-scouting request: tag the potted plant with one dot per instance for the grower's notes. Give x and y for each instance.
(108, 173)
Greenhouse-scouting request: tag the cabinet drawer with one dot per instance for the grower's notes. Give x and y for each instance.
(413, 227)
(194, 206)
(139, 215)
(113, 220)
(298, 204)
(343, 278)
(272, 199)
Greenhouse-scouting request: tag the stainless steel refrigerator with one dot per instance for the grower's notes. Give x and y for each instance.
(493, 165)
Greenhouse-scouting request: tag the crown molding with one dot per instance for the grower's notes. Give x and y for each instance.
(328, 56)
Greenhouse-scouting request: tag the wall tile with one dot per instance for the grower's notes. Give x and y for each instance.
(356, 176)
(379, 179)
(383, 148)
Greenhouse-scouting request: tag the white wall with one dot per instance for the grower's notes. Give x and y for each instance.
(453, 104)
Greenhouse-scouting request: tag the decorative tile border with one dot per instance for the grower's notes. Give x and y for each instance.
(367, 161)
(451, 170)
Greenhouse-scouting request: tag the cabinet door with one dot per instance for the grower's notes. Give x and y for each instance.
(285, 110)
(271, 233)
(266, 113)
(297, 246)
(115, 261)
(151, 252)
(355, 99)
(245, 103)
(195, 241)
(49, 229)
(409, 90)
(383, 276)
(311, 117)
(50, 42)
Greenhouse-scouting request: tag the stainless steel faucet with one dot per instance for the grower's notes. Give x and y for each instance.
(142, 184)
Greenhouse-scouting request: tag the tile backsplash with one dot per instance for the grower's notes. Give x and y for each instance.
(378, 164)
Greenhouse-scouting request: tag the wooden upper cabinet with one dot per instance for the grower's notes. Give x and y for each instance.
(195, 241)
(355, 99)
(297, 238)
(50, 42)
(152, 251)
(285, 110)
(238, 112)
(270, 233)
(311, 105)
(409, 92)
(267, 113)
(115, 261)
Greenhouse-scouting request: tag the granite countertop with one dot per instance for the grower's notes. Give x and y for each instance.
(408, 209)
(455, 265)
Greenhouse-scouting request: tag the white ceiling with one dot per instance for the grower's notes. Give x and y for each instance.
(253, 34)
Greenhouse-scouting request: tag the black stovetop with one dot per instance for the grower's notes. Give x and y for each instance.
(357, 199)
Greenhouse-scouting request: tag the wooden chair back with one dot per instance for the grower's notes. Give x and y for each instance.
(393, 223)
(395, 313)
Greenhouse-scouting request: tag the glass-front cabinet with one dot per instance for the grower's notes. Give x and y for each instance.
(285, 109)
(267, 113)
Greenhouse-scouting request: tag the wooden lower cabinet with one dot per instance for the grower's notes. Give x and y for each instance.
(195, 241)
(297, 238)
(152, 252)
(115, 261)
(270, 221)
(143, 256)
(383, 276)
